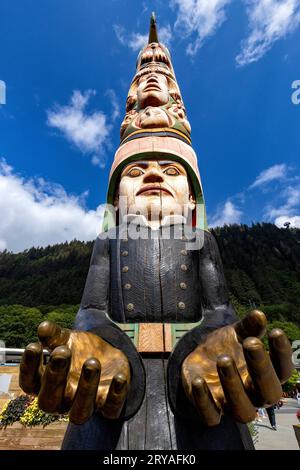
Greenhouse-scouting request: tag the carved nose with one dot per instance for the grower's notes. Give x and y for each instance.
(153, 177)
(152, 78)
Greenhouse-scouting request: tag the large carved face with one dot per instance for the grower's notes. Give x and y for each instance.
(152, 90)
(155, 188)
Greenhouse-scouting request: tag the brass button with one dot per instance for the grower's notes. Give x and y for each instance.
(127, 286)
(183, 285)
(181, 305)
(130, 307)
(183, 267)
(125, 269)
(183, 252)
(125, 253)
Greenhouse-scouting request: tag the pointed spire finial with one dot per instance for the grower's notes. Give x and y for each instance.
(153, 37)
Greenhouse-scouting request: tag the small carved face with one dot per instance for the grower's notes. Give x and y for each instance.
(152, 90)
(127, 120)
(153, 117)
(155, 188)
(178, 111)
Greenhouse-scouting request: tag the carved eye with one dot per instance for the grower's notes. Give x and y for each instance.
(134, 172)
(171, 171)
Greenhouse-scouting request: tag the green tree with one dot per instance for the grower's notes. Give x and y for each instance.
(18, 325)
(291, 330)
(291, 383)
(63, 315)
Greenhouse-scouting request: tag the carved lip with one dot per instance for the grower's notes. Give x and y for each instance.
(151, 187)
(152, 86)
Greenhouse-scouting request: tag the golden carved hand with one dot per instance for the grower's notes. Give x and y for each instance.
(231, 373)
(84, 374)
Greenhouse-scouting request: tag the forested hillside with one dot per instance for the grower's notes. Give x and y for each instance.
(262, 267)
(45, 276)
(261, 262)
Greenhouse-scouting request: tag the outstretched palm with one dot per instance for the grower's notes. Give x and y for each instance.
(84, 374)
(231, 373)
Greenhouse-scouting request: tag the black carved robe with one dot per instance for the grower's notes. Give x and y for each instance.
(169, 275)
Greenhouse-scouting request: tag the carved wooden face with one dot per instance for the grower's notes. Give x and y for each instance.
(155, 188)
(152, 90)
(154, 102)
(153, 117)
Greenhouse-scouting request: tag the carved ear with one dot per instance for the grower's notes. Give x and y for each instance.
(192, 202)
(116, 201)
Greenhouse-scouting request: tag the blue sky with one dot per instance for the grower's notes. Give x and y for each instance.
(67, 66)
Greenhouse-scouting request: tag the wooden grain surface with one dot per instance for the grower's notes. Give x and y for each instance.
(168, 337)
(17, 437)
(154, 338)
(151, 337)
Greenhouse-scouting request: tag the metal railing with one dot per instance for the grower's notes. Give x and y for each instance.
(14, 355)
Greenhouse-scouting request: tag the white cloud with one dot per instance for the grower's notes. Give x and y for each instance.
(276, 198)
(137, 41)
(38, 213)
(291, 202)
(114, 104)
(275, 172)
(121, 34)
(226, 214)
(283, 198)
(165, 35)
(199, 17)
(294, 220)
(87, 131)
(269, 20)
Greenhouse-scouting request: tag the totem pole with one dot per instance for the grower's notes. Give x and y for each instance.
(157, 358)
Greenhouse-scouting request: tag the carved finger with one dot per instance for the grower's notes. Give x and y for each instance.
(265, 388)
(254, 324)
(31, 369)
(51, 396)
(281, 354)
(84, 401)
(52, 335)
(116, 397)
(205, 403)
(237, 403)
